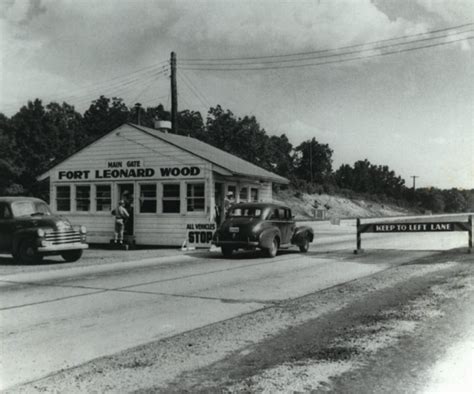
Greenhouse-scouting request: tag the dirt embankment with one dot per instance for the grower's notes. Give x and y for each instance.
(304, 206)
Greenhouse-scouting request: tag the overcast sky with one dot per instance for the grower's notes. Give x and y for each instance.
(411, 110)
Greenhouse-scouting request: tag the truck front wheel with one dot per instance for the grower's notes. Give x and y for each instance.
(72, 255)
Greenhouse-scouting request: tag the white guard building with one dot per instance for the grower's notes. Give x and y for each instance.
(173, 186)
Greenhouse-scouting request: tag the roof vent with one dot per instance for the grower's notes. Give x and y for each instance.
(162, 125)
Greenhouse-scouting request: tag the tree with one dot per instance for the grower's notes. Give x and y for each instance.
(454, 200)
(314, 161)
(242, 137)
(431, 199)
(282, 155)
(67, 127)
(34, 140)
(104, 115)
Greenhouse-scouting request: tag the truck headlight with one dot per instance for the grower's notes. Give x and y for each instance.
(83, 230)
(40, 233)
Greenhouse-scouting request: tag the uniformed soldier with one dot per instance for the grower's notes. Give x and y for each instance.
(121, 216)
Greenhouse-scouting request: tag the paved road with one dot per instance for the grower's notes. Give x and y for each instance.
(56, 319)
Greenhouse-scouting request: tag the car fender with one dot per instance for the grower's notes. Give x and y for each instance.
(21, 235)
(301, 233)
(266, 237)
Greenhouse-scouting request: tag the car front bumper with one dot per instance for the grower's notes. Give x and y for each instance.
(62, 247)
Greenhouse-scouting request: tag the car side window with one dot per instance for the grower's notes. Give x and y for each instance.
(282, 214)
(5, 212)
(274, 215)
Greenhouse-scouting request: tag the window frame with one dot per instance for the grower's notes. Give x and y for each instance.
(251, 199)
(69, 186)
(247, 190)
(141, 200)
(163, 198)
(76, 199)
(96, 198)
(203, 198)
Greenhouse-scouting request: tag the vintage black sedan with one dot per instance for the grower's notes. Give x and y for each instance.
(265, 226)
(29, 231)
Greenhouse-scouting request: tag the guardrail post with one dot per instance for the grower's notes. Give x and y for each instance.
(469, 221)
(359, 238)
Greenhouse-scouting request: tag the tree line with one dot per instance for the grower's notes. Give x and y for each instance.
(38, 136)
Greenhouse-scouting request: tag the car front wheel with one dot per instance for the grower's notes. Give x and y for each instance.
(273, 249)
(227, 251)
(72, 255)
(304, 246)
(27, 252)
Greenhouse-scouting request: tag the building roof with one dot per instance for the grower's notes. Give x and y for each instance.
(218, 157)
(234, 164)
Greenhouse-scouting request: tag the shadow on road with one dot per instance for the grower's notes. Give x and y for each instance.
(9, 261)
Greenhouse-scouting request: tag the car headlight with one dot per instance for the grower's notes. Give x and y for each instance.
(40, 232)
(257, 228)
(83, 229)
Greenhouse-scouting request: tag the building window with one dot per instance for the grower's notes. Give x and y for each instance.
(63, 198)
(232, 189)
(103, 198)
(83, 198)
(148, 198)
(195, 197)
(253, 194)
(171, 198)
(243, 194)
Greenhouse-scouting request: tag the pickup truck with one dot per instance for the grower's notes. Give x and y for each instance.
(29, 231)
(265, 226)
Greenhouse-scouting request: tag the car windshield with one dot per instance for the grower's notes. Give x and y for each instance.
(30, 208)
(245, 212)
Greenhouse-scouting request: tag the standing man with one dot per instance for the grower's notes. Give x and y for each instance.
(228, 201)
(121, 216)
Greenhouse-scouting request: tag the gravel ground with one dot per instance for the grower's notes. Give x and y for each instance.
(382, 333)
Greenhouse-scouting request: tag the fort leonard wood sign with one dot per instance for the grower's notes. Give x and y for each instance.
(413, 227)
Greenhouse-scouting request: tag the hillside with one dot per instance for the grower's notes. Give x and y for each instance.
(303, 206)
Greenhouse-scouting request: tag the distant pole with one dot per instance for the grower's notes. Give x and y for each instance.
(311, 160)
(138, 108)
(414, 181)
(174, 95)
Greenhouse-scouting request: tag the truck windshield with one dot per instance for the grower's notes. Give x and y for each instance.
(245, 212)
(30, 208)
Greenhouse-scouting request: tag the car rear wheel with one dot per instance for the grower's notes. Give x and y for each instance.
(227, 251)
(273, 249)
(72, 255)
(304, 246)
(27, 252)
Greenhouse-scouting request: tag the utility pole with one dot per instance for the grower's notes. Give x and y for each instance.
(174, 95)
(414, 183)
(311, 159)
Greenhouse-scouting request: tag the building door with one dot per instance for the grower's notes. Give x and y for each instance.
(126, 193)
(218, 202)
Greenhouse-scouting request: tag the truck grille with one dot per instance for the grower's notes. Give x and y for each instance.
(63, 237)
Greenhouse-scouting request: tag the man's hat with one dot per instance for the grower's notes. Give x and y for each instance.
(230, 193)
(121, 202)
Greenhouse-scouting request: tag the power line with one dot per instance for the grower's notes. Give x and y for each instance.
(145, 89)
(389, 47)
(117, 85)
(326, 50)
(221, 68)
(200, 96)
